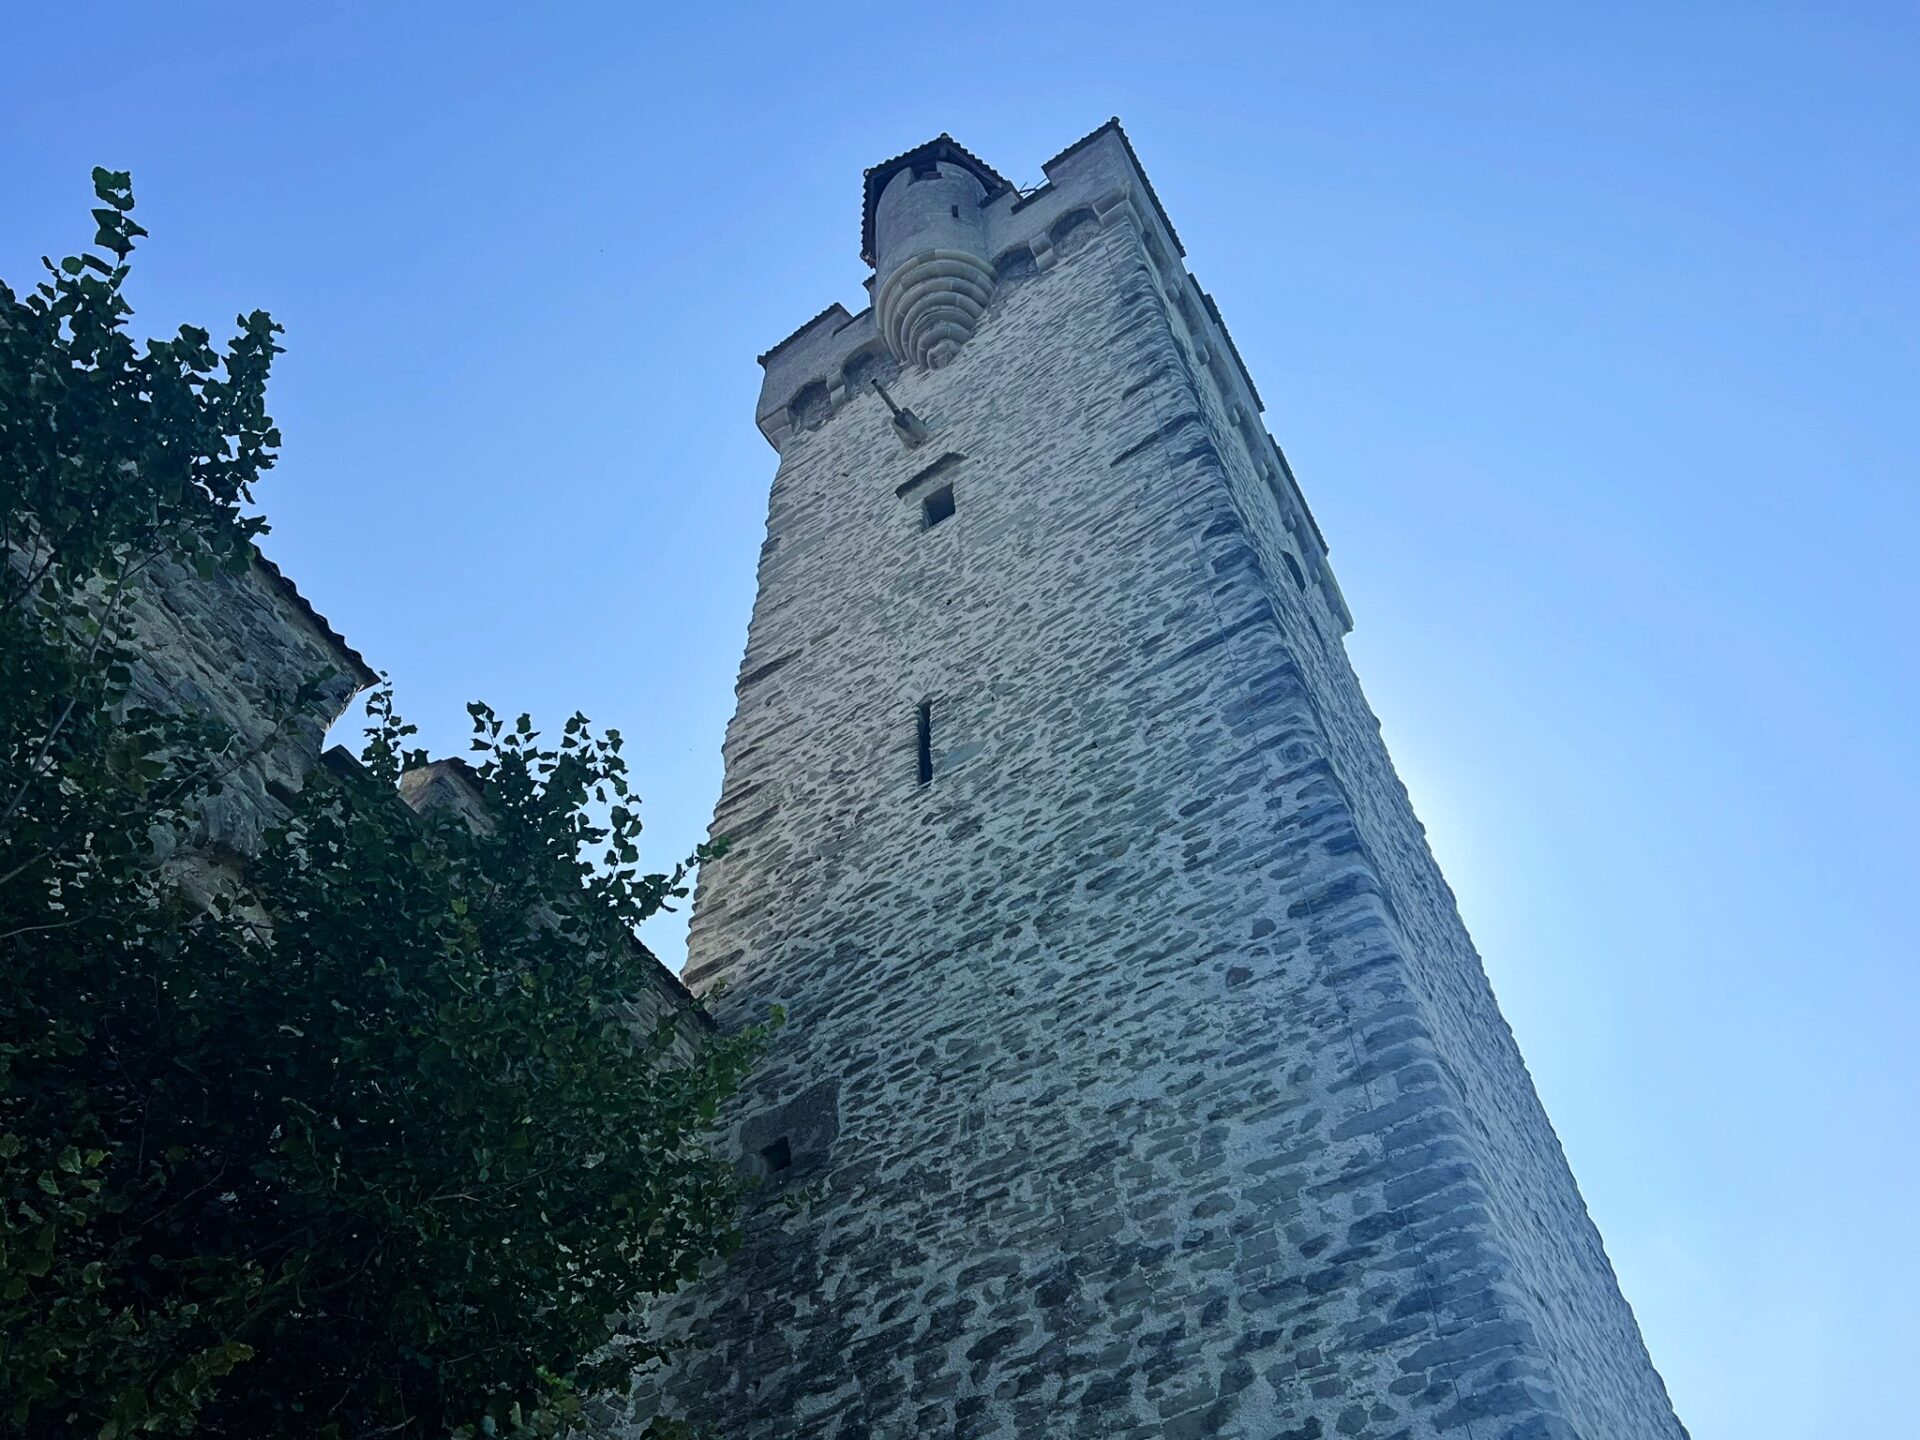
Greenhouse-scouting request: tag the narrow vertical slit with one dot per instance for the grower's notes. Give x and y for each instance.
(923, 739)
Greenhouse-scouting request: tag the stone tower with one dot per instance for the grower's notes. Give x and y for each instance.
(1141, 1080)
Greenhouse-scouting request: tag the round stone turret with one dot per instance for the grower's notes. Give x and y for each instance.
(930, 254)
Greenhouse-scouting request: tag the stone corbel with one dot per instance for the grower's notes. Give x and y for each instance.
(1116, 207)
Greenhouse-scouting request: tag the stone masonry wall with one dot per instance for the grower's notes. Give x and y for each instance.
(237, 648)
(453, 785)
(1140, 1081)
(1565, 1281)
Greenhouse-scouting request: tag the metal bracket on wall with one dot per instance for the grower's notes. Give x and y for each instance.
(907, 425)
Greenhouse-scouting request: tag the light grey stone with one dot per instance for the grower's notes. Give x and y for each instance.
(1168, 1094)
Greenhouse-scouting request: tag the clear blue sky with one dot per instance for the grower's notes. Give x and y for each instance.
(1591, 331)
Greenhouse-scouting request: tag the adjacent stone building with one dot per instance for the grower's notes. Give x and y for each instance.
(239, 648)
(1142, 1080)
(248, 650)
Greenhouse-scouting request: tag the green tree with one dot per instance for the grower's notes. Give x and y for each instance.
(381, 1144)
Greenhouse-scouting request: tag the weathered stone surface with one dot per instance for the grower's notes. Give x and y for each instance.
(237, 648)
(452, 785)
(1168, 1097)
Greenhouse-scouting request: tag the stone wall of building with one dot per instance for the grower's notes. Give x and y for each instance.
(238, 648)
(1140, 1080)
(453, 785)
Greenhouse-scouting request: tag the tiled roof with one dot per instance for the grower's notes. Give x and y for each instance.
(941, 147)
(1232, 349)
(808, 325)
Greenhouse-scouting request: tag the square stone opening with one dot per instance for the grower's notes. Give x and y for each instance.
(937, 506)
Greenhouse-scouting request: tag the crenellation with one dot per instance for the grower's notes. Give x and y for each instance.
(1099, 178)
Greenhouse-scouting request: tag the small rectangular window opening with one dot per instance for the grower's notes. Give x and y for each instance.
(937, 506)
(776, 1157)
(923, 741)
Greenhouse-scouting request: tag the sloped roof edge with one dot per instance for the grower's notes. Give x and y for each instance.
(363, 671)
(1115, 126)
(802, 329)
